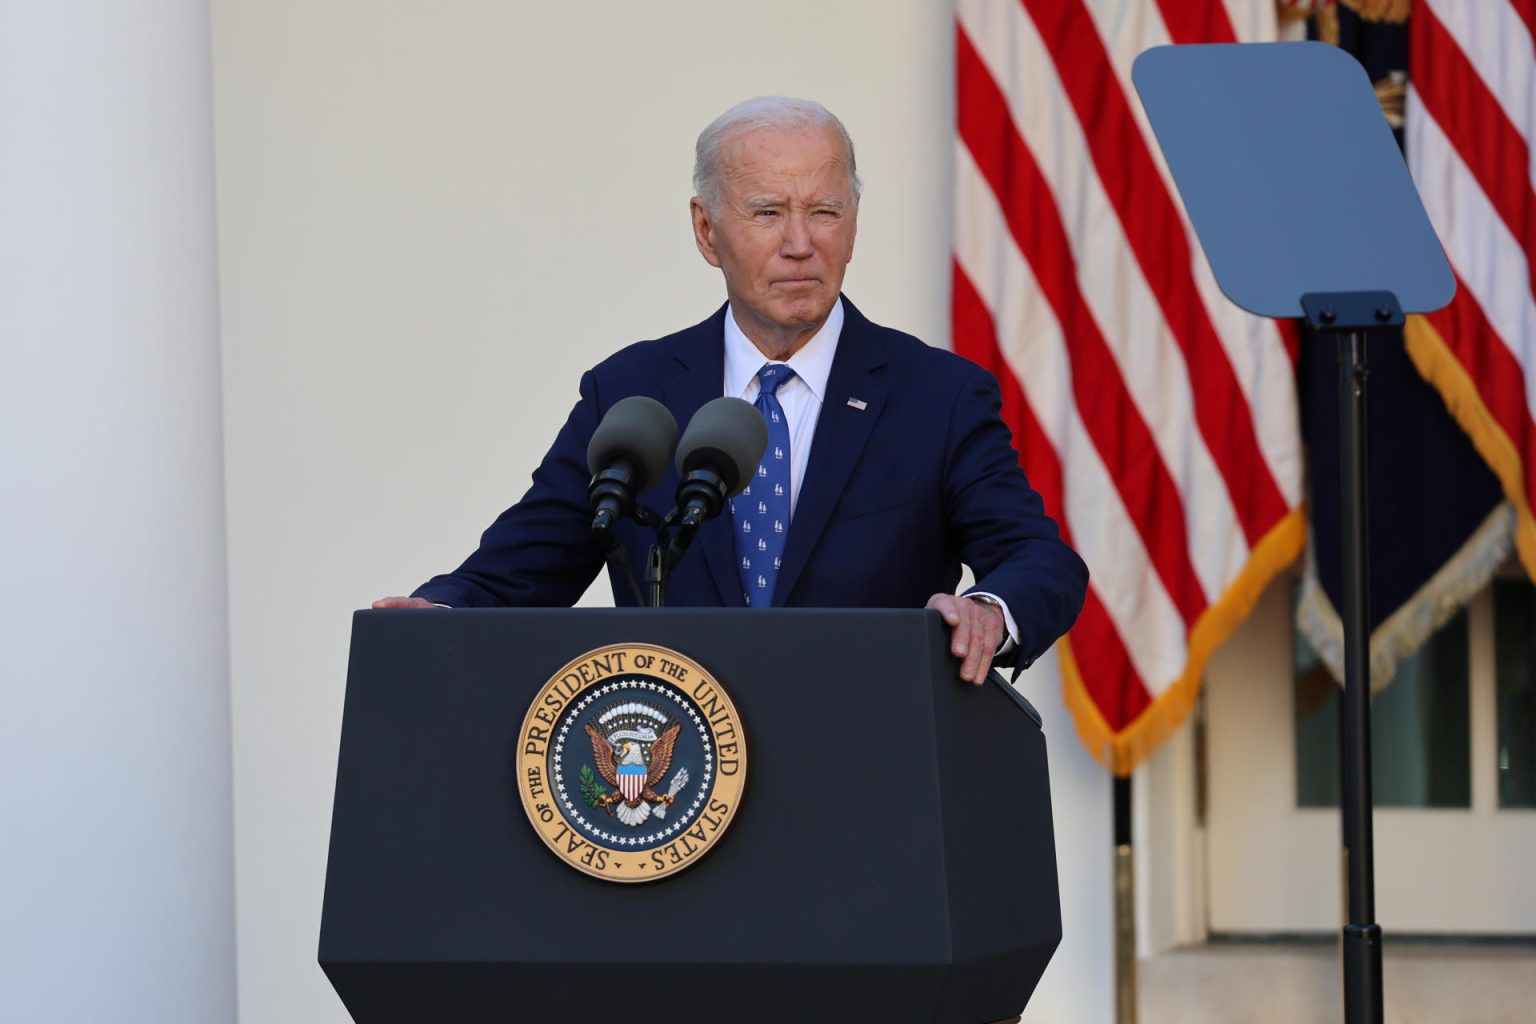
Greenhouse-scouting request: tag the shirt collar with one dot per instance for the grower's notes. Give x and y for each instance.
(812, 364)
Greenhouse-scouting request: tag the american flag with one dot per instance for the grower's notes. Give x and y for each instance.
(1471, 112)
(1157, 420)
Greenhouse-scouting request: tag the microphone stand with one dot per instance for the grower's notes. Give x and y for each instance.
(616, 556)
(667, 552)
(658, 563)
(701, 495)
(706, 496)
(660, 559)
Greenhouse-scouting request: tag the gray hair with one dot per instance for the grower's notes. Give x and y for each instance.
(750, 115)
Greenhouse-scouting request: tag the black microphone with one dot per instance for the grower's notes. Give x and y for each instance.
(627, 454)
(716, 458)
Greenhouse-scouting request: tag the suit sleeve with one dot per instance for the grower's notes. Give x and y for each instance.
(539, 552)
(999, 523)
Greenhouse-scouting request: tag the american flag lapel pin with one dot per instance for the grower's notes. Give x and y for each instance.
(858, 403)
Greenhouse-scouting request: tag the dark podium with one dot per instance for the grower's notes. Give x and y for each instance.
(893, 858)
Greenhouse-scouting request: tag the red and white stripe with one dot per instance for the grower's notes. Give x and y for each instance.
(1156, 418)
(631, 785)
(1470, 118)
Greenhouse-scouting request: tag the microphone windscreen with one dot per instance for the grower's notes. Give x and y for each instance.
(638, 430)
(728, 436)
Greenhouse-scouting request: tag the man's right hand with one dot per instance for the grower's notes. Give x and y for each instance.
(403, 602)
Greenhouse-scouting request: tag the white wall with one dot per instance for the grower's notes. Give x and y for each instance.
(432, 218)
(116, 870)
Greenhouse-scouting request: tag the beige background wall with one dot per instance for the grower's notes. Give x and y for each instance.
(432, 218)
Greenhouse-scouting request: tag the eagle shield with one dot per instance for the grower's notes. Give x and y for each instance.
(632, 743)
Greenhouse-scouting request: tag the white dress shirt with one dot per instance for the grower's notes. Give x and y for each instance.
(802, 397)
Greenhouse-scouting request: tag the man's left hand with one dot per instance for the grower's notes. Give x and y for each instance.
(976, 632)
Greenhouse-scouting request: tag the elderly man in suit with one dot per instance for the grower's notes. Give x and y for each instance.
(888, 465)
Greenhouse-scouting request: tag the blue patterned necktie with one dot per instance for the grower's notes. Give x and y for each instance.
(761, 510)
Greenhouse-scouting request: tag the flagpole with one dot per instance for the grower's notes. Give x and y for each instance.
(1125, 905)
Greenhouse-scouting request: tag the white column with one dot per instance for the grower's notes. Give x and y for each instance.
(1079, 985)
(116, 863)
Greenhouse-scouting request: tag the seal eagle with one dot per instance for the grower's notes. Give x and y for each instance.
(634, 762)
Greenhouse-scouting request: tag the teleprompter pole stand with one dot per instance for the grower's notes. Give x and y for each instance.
(1230, 119)
(1346, 315)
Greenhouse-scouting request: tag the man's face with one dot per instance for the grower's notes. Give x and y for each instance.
(783, 234)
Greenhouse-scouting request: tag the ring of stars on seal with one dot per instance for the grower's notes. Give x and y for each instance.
(631, 762)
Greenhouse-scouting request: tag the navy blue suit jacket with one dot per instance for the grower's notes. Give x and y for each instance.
(896, 496)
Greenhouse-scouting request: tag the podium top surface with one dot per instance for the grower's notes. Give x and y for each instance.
(1291, 175)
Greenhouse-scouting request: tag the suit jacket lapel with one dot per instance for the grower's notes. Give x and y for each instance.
(842, 430)
(701, 357)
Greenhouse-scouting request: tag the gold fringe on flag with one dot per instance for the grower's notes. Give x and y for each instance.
(1471, 568)
(1324, 13)
(1403, 632)
(1438, 365)
(1392, 94)
(1328, 25)
(1300, 10)
(1121, 752)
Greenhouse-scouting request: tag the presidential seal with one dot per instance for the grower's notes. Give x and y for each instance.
(631, 762)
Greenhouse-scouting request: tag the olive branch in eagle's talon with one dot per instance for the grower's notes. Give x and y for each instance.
(593, 793)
